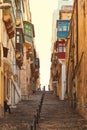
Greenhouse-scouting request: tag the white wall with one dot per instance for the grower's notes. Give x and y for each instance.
(63, 80)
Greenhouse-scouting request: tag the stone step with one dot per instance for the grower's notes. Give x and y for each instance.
(22, 115)
(57, 115)
(20, 126)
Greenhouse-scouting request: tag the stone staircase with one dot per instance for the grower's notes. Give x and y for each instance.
(57, 115)
(21, 118)
(54, 115)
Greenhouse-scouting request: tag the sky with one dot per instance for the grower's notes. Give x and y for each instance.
(41, 12)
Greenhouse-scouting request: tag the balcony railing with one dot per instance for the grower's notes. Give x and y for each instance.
(19, 54)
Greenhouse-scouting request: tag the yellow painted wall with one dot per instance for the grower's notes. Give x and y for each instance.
(80, 68)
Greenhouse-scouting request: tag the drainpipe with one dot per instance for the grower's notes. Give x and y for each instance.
(77, 28)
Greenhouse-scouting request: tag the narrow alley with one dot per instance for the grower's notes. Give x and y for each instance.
(55, 114)
(43, 65)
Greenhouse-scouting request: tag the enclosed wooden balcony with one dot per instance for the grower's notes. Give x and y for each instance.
(19, 47)
(19, 54)
(19, 63)
(8, 20)
(19, 19)
(28, 33)
(36, 73)
(37, 64)
(19, 60)
(29, 53)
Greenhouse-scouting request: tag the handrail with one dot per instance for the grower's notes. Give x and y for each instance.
(37, 115)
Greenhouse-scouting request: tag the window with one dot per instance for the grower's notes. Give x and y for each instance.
(64, 49)
(60, 45)
(17, 32)
(61, 48)
(64, 28)
(30, 33)
(28, 39)
(68, 28)
(26, 26)
(28, 29)
(59, 28)
(18, 39)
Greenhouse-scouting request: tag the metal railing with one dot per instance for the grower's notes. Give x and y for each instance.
(37, 115)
